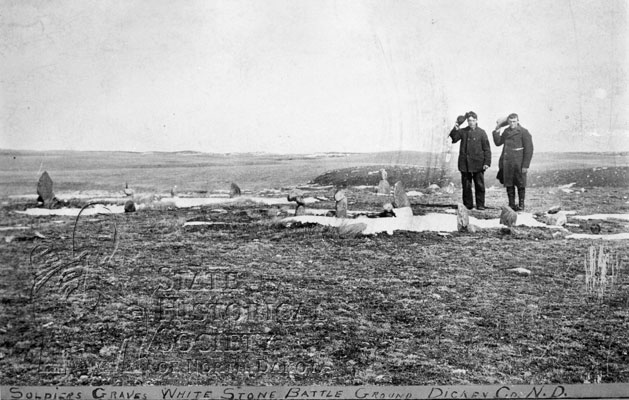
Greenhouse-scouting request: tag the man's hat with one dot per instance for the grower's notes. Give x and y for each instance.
(460, 119)
(502, 121)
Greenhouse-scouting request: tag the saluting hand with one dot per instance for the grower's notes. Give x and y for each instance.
(485, 167)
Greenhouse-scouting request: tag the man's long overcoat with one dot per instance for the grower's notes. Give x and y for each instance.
(516, 154)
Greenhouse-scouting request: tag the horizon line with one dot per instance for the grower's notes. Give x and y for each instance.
(3, 150)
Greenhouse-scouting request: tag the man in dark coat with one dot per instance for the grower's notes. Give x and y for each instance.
(474, 158)
(515, 159)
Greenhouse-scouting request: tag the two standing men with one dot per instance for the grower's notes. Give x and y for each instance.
(475, 158)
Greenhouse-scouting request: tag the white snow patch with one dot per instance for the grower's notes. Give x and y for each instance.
(89, 194)
(365, 187)
(418, 223)
(414, 193)
(315, 187)
(179, 202)
(604, 216)
(73, 212)
(615, 236)
(194, 223)
(13, 228)
(187, 202)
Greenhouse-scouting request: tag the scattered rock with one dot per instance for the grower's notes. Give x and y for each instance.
(450, 188)
(508, 217)
(433, 188)
(341, 204)
(387, 211)
(520, 271)
(400, 199)
(558, 235)
(173, 191)
(568, 186)
(25, 237)
(473, 228)
(462, 218)
(352, 229)
(44, 190)
(554, 210)
(558, 219)
(508, 231)
(234, 190)
(272, 212)
(595, 228)
(129, 206)
(127, 191)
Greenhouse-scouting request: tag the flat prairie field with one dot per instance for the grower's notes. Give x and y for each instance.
(246, 298)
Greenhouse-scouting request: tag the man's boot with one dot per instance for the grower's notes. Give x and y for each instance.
(511, 196)
(521, 194)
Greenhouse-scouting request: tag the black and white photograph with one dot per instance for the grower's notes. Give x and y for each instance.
(291, 199)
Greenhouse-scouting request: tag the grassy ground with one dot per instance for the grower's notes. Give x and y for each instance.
(251, 301)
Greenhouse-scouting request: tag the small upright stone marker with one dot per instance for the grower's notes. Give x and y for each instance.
(234, 190)
(129, 206)
(127, 191)
(384, 187)
(595, 228)
(557, 219)
(399, 196)
(462, 218)
(44, 190)
(298, 197)
(341, 204)
(508, 217)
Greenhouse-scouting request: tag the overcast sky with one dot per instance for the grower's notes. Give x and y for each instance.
(309, 76)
